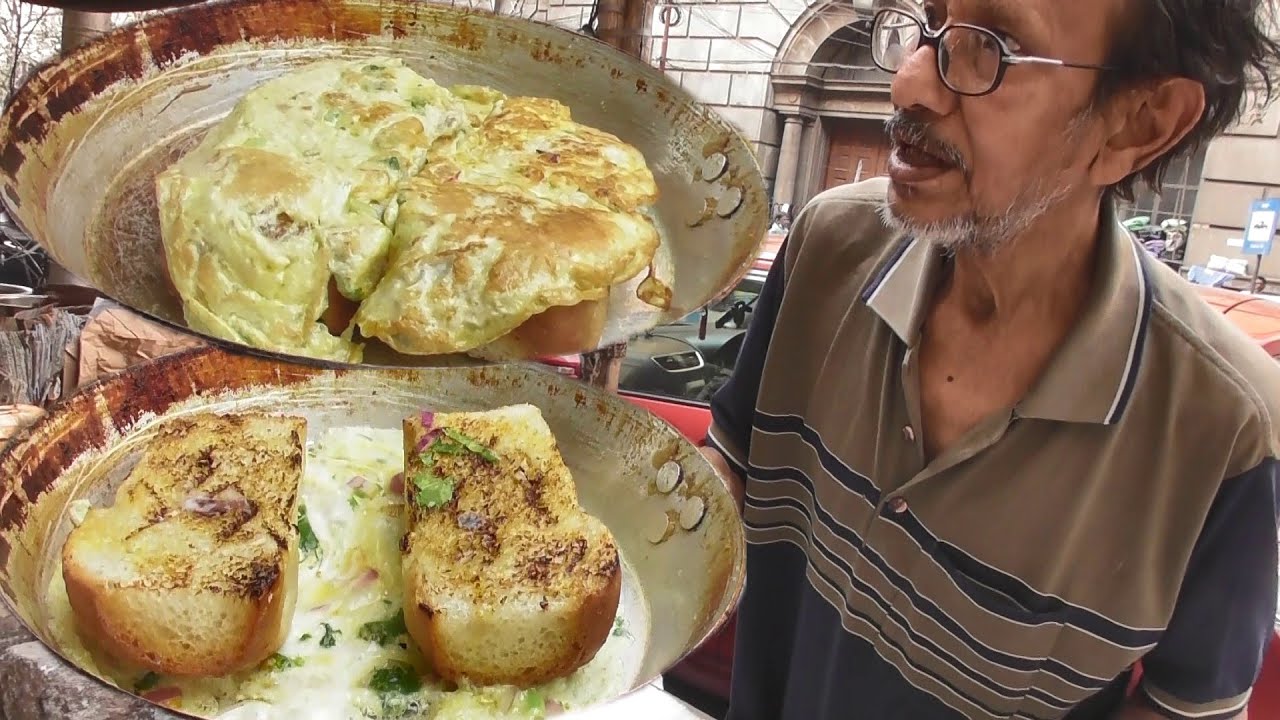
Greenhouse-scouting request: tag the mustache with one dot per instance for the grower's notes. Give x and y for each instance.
(904, 129)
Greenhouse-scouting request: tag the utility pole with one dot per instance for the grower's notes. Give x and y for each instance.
(79, 27)
(620, 23)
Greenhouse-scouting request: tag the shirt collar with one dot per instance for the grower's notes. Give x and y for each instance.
(1092, 375)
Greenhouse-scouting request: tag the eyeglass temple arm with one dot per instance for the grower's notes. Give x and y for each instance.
(1032, 60)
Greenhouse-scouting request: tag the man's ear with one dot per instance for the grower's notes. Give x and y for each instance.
(1143, 124)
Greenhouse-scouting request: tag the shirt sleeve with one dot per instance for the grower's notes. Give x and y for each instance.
(734, 404)
(1205, 665)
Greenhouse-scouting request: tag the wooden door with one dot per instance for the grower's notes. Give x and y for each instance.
(859, 150)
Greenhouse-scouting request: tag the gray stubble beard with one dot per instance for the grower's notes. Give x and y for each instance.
(987, 234)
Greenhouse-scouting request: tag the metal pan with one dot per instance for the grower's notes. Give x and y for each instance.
(84, 138)
(683, 582)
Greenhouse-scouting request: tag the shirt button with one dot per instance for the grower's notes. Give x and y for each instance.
(897, 506)
(908, 433)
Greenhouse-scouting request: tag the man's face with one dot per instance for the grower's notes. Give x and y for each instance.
(978, 171)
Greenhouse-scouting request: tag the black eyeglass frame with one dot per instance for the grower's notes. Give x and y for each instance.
(933, 39)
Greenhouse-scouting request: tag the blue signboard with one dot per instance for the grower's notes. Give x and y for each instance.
(1261, 228)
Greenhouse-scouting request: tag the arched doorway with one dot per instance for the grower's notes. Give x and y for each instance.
(833, 102)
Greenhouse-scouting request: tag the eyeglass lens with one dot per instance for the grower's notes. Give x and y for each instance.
(968, 59)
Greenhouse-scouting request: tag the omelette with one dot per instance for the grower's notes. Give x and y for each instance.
(355, 199)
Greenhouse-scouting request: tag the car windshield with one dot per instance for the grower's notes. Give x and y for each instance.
(746, 291)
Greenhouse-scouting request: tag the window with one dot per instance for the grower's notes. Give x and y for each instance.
(679, 361)
(846, 56)
(1177, 200)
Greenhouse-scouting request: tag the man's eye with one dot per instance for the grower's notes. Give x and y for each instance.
(1009, 41)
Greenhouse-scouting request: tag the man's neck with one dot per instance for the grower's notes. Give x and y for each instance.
(1043, 276)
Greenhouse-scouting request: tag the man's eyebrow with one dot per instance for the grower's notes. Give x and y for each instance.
(1011, 16)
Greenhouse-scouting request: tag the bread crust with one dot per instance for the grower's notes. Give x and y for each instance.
(193, 570)
(510, 582)
(562, 330)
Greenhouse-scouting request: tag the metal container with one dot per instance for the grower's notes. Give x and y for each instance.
(687, 581)
(83, 139)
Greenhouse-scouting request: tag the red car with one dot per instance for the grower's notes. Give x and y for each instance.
(673, 370)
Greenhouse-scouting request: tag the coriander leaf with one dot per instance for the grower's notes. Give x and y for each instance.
(353, 501)
(395, 677)
(418, 103)
(393, 162)
(533, 701)
(620, 628)
(330, 636)
(384, 632)
(308, 543)
(147, 682)
(305, 637)
(283, 662)
(443, 447)
(433, 490)
(471, 444)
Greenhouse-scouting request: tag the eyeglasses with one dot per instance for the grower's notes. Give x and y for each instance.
(971, 60)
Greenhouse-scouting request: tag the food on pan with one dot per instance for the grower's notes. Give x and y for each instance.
(348, 652)
(443, 220)
(193, 570)
(507, 580)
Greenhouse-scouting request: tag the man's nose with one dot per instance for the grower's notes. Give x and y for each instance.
(917, 85)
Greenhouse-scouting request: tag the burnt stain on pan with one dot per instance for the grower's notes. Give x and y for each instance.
(466, 36)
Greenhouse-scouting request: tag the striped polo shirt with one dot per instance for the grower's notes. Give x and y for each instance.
(1123, 511)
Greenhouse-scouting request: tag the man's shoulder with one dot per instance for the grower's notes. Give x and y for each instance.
(1218, 372)
(843, 223)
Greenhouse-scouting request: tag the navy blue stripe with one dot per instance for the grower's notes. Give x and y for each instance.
(898, 619)
(923, 604)
(883, 272)
(790, 424)
(888, 640)
(1079, 617)
(1131, 380)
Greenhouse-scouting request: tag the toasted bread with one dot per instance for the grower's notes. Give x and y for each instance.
(508, 581)
(193, 570)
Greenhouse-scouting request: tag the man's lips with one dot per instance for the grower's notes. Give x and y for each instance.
(917, 156)
(911, 164)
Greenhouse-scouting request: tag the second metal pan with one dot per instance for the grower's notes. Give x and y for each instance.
(682, 579)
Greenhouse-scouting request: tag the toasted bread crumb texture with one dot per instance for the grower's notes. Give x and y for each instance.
(509, 580)
(191, 566)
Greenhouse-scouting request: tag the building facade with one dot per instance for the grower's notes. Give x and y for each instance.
(796, 78)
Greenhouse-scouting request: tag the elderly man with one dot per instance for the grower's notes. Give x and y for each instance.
(995, 456)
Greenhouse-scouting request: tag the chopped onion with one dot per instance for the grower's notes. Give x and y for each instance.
(506, 698)
(357, 483)
(428, 418)
(368, 578)
(396, 486)
(554, 707)
(163, 694)
(427, 439)
(228, 500)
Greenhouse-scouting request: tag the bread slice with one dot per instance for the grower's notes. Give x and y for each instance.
(560, 330)
(508, 581)
(193, 570)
